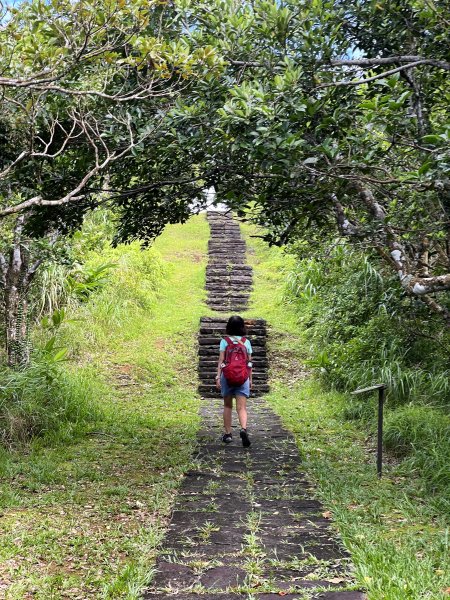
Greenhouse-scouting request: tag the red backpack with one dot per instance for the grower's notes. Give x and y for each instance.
(236, 371)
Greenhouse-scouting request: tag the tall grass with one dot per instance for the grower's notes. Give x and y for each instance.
(360, 330)
(421, 434)
(45, 400)
(51, 291)
(101, 288)
(340, 317)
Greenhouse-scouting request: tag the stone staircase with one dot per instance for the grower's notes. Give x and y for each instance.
(211, 330)
(229, 282)
(228, 278)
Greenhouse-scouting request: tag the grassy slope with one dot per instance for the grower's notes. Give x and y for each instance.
(84, 520)
(399, 543)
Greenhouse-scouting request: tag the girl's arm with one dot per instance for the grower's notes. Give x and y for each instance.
(219, 368)
(250, 371)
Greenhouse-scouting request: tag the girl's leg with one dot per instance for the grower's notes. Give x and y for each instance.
(241, 408)
(227, 412)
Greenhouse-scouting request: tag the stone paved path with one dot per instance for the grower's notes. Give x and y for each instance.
(246, 524)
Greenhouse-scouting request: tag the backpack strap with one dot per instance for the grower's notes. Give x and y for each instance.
(230, 342)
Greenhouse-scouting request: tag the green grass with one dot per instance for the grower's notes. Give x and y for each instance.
(397, 532)
(84, 519)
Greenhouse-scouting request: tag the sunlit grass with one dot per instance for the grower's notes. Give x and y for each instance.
(85, 519)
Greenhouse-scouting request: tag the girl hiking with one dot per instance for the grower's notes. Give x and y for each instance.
(234, 376)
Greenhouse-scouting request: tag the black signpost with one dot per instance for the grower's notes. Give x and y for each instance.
(381, 387)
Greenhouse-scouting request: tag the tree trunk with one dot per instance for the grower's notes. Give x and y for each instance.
(16, 329)
(16, 276)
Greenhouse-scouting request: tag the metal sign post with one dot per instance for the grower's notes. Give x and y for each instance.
(381, 387)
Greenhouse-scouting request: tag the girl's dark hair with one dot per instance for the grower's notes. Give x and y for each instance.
(236, 326)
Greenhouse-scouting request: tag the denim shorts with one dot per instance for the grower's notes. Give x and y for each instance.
(240, 390)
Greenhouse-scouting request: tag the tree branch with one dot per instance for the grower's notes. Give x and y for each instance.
(364, 62)
(369, 79)
(436, 308)
(390, 60)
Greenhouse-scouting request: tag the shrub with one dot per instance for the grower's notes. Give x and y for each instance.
(138, 275)
(45, 400)
(421, 434)
(362, 330)
(409, 428)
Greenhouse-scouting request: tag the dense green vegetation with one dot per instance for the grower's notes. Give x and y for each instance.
(97, 445)
(396, 527)
(322, 116)
(324, 121)
(98, 438)
(361, 329)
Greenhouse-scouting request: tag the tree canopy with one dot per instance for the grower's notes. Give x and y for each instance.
(334, 118)
(320, 116)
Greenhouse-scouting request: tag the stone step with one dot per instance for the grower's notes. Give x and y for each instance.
(215, 224)
(224, 298)
(227, 308)
(230, 251)
(230, 308)
(227, 240)
(216, 298)
(223, 321)
(223, 225)
(224, 302)
(224, 232)
(228, 261)
(225, 292)
(256, 341)
(233, 290)
(205, 389)
(220, 227)
(234, 244)
(256, 595)
(256, 337)
(234, 279)
(235, 240)
(227, 245)
(228, 291)
(210, 269)
(225, 274)
(218, 258)
(220, 332)
(219, 270)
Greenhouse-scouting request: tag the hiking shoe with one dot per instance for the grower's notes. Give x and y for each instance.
(244, 437)
(227, 438)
